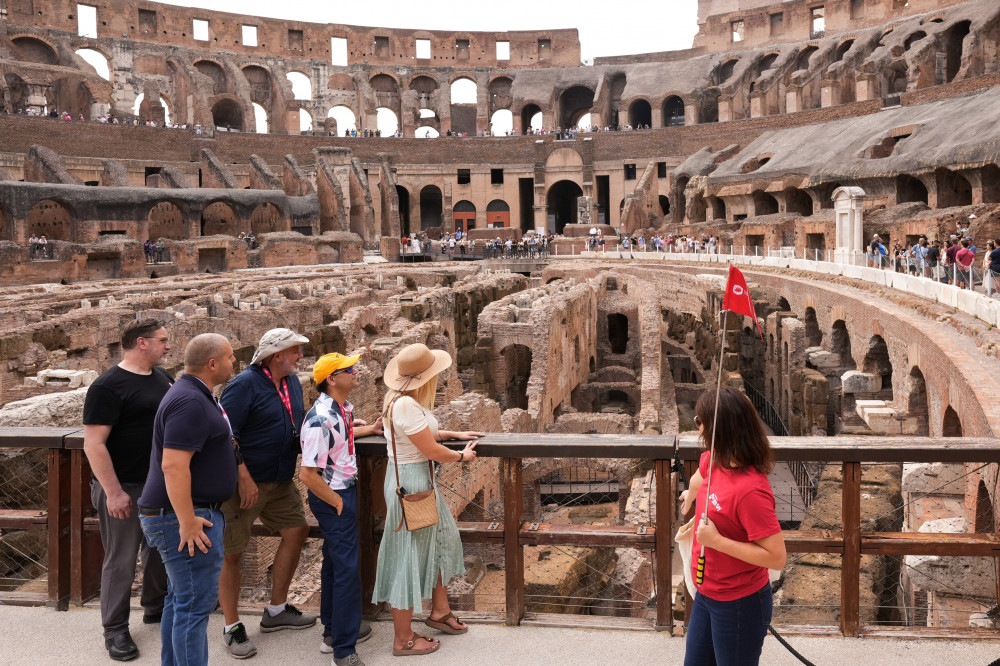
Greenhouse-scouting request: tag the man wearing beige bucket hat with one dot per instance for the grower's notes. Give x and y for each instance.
(417, 565)
(265, 407)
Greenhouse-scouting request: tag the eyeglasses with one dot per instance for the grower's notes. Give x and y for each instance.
(349, 371)
(163, 340)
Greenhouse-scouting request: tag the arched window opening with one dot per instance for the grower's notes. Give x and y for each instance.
(985, 522)
(502, 123)
(951, 425)
(228, 114)
(877, 362)
(346, 121)
(909, 189)
(916, 401)
(531, 118)
(561, 205)
(840, 344)
(266, 218)
(814, 336)
(305, 121)
(301, 85)
(96, 60)
(574, 103)
(431, 207)
(260, 119)
(166, 220)
(386, 121)
(464, 91)
(425, 132)
(640, 114)
(673, 111)
(51, 219)
(219, 218)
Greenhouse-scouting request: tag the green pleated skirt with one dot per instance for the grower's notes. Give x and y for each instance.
(409, 562)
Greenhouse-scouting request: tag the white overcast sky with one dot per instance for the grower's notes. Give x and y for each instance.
(606, 28)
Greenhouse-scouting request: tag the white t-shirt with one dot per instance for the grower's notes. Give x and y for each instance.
(408, 418)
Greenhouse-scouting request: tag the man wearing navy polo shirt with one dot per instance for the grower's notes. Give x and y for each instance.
(192, 470)
(265, 408)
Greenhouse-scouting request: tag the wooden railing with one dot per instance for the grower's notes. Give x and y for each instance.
(74, 548)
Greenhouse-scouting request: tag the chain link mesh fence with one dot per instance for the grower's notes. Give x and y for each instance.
(23, 552)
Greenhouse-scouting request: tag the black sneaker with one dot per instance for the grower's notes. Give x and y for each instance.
(121, 647)
(152, 618)
(239, 644)
(290, 618)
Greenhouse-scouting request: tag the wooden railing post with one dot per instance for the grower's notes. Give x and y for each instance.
(663, 551)
(850, 563)
(59, 528)
(513, 504)
(87, 551)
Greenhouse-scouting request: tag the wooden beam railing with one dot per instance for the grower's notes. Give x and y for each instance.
(74, 549)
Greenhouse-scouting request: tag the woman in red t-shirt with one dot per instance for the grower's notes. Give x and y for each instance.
(742, 538)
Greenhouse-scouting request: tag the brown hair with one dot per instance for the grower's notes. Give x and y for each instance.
(142, 328)
(741, 441)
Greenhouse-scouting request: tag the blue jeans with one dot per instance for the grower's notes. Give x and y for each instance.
(728, 633)
(340, 575)
(192, 589)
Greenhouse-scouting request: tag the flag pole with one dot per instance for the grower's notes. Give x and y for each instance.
(700, 572)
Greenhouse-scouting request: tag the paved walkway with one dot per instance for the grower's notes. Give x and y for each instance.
(43, 636)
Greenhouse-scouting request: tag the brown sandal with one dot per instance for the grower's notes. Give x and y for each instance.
(441, 624)
(408, 649)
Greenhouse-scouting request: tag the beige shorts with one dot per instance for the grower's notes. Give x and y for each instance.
(279, 506)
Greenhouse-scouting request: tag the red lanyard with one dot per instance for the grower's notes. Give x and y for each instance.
(285, 398)
(348, 426)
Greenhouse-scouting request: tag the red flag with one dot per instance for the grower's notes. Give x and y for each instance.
(737, 298)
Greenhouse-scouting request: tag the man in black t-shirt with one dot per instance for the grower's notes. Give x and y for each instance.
(118, 436)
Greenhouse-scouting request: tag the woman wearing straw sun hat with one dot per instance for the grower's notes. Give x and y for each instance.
(417, 565)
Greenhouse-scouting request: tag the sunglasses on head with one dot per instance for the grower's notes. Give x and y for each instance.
(349, 371)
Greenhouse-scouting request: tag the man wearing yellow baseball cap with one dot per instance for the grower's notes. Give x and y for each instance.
(330, 472)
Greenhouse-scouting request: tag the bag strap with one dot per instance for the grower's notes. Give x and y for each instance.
(387, 417)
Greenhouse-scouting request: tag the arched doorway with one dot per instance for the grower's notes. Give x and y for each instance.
(618, 333)
(814, 336)
(916, 401)
(463, 216)
(51, 219)
(764, 203)
(514, 374)
(640, 114)
(404, 210)
(574, 103)
(561, 205)
(266, 218)
(664, 202)
(840, 344)
(673, 111)
(951, 425)
(431, 207)
(498, 214)
(909, 189)
(531, 118)
(877, 362)
(166, 220)
(227, 113)
(219, 218)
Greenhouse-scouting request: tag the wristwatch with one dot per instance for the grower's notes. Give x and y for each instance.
(239, 455)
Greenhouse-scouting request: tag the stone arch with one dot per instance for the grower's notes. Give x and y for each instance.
(431, 207)
(561, 204)
(228, 113)
(951, 425)
(953, 46)
(306, 123)
(261, 120)
(100, 62)
(301, 85)
(266, 218)
(344, 115)
(877, 362)
(724, 71)
(673, 111)
(574, 103)
(802, 60)
(798, 201)
(896, 78)
(717, 206)
(514, 374)
(917, 405)
(404, 210)
(423, 84)
(909, 189)
(166, 220)
(386, 91)
(531, 112)
(814, 336)
(33, 49)
(914, 36)
(218, 218)
(765, 63)
(501, 122)
(840, 343)
(72, 94)
(640, 113)
(985, 521)
(387, 121)
(500, 93)
(464, 90)
(214, 71)
(260, 84)
(764, 203)
(842, 50)
(53, 219)
(463, 214)
(953, 189)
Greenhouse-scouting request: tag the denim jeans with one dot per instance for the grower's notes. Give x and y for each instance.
(728, 633)
(193, 587)
(340, 575)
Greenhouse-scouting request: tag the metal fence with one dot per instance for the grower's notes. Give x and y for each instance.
(23, 550)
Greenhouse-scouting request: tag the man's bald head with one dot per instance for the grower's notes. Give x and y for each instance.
(202, 349)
